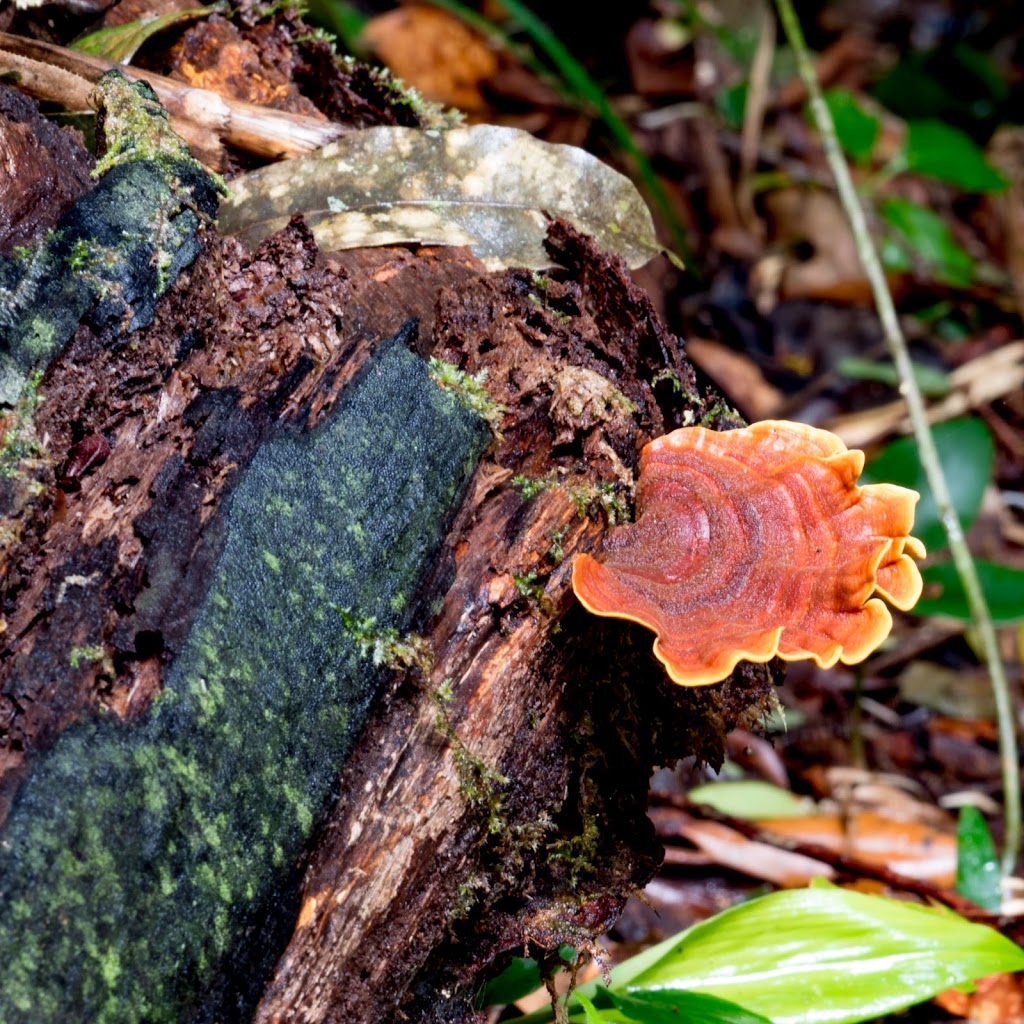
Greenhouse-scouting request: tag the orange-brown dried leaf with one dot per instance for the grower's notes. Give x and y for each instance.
(434, 51)
(754, 543)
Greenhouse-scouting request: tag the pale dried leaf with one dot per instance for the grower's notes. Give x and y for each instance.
(492, 189)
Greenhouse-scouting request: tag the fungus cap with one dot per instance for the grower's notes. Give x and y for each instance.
(754, 543)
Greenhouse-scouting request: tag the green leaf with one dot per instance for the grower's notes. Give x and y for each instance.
(928, 237)
(119, 43)
(824, 955)
(591, 1015)
(856, 128)
(679, 1007)
(966, 453)
(934, 383)
(751, 799)
(948, 154)
(977, 866)
(1002, 585)
(732, 102)
(487, 187)
(520, 978)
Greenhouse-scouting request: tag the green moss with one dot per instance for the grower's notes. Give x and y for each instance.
(467, 896)
(83, 655)
(136, 128)
(470, 391)
(542, 303)
(530, 590)
(431, 116)
(135, 857)
(670, 375)
(578, 852)
(530, 486)
(720, 412)
(603, 496)
(479, 782)
(20, 443)
(556, 552)
(384, 645)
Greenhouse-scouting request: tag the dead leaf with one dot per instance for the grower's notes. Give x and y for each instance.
(489, 188)
(434, 51)
(908, 848)
(738, 376)
(950, 691)
(732, 849)
(996, 999)
(816, 218)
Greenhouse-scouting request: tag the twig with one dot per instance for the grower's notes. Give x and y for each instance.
(925, 442)
(202, 117)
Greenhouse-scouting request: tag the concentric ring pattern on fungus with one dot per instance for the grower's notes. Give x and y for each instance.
(754, 543)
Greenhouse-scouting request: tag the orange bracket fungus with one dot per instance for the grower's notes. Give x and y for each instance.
(754, 543)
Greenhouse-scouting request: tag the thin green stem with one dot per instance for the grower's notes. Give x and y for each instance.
(925, 442)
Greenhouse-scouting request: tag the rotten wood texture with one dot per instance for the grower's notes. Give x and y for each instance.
(277, 332)
(429, 870)
(45, 170)
(517, 817)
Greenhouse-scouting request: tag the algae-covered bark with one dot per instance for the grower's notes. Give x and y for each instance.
(134, 856)
(115, 252)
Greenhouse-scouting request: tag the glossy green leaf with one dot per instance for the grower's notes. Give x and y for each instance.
(948, 154)
(977, 865)
(811, 956)
(591, 1015)
(120, 43)
(1002, 585)
(751, 799)
(928, 238)
(966, 453)
(521, 977)
(665, 1008)
(934, 383)
(490, 188)
(856, 128)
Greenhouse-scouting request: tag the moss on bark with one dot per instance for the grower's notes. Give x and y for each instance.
(135, 856)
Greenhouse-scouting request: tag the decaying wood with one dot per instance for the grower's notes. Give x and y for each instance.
(573, 713)
(495, 800)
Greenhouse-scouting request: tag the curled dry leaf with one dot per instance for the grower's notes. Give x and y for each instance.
(754, 543)
(492, 189)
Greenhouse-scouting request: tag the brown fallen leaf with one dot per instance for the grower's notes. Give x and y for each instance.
(435, 52)
(730, 848)
(996, 999)
(907, 848)
(834, 271)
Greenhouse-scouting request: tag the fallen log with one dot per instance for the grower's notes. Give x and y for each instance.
(300, 720)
